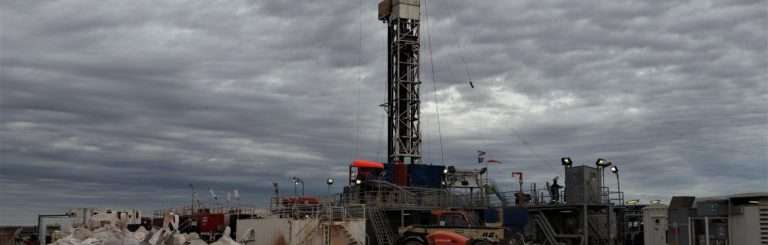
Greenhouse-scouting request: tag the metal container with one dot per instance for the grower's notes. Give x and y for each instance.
(582, 183)
(515, 219)
(712, 208)
(655, 224)
(421, 175)
(265, 231)
(406, 9)
(210, 223)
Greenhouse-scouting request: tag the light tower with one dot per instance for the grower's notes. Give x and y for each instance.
(403, 103)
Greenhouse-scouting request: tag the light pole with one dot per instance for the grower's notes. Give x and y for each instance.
(329, 182)
(615, 170)
(296, 181)
(601, 165)
(194, 197)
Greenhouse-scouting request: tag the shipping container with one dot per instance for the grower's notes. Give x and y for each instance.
(430, 176)
(211, 223)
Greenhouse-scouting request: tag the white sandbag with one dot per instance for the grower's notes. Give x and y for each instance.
(192, 236)
(197, 242)
(194, 239)
(67, 240)
(140, 234)
(178, 239)
(160, 237)
(225, 239)
(91, 241)
(81, 234)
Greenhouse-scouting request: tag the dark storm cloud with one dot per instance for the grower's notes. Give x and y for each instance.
(114, 103)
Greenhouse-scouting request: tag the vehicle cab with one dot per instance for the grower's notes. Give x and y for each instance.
(363, 170)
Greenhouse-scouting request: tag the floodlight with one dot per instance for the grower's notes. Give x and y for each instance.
(602, 162)
(445, 170)
(566, 161)
(754, 202)
(329, 181)
(358, 182)
(614, 169)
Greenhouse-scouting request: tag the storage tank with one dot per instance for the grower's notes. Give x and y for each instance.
(655, 224)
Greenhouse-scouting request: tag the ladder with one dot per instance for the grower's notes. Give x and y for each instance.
(381, 228)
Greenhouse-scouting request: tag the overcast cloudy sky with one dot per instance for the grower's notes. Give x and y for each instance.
(113, 103)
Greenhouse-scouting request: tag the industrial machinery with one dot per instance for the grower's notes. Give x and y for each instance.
(410, 202)
(459, 223)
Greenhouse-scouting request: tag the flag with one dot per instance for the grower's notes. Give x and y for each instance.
(229, 196)
(213, 194)
(480, 156)
(237, 195)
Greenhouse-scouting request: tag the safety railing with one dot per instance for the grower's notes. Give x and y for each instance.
(542, 197)
(415, 198)
(197, 210)
(319, 211)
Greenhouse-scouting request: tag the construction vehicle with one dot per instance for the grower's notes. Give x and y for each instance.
(452, 227)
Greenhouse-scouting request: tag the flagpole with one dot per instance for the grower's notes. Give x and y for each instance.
(486, 173)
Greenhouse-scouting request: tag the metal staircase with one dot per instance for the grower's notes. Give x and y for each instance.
(349, 237)
(595, 230)
(543, 223)
(380, 226)
(309, 229)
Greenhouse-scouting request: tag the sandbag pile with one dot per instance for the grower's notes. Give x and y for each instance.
(116, 233)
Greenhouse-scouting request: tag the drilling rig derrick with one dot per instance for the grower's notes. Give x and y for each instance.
(403, 101)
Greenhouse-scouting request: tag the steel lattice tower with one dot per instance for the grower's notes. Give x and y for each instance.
(403, 103)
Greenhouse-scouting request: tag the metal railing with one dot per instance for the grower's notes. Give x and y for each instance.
(188, 210)
(435, 198)
(319, 211)
(542, 197)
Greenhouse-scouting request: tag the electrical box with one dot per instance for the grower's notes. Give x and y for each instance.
(406, 9)
(655, 224)
(582, 184)
(749, 227)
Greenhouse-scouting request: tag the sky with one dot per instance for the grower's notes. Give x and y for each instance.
(111, 103)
